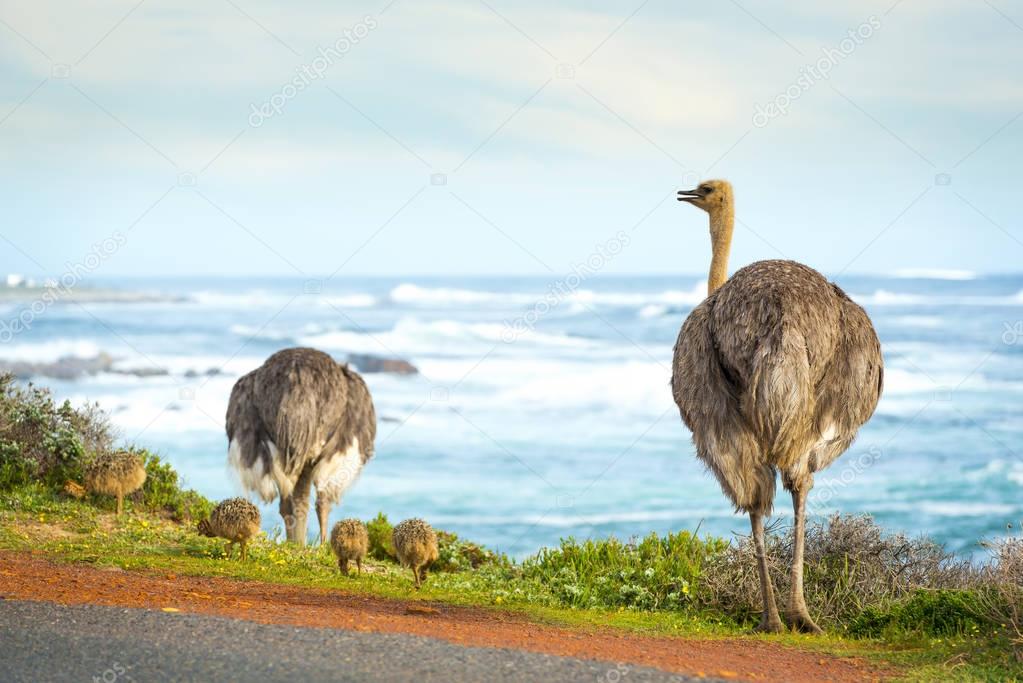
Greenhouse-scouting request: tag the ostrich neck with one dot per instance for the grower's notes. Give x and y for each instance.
(721, 224)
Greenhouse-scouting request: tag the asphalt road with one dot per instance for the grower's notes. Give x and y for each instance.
(42, 641)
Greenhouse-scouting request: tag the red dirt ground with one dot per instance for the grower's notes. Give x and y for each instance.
(29, 577)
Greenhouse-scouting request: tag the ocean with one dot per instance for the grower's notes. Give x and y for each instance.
(543, 410)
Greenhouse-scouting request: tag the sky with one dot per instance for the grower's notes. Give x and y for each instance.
(246, 137)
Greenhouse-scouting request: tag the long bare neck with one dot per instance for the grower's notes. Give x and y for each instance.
(722, 223)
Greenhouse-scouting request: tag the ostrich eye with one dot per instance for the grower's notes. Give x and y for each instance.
(708, 190)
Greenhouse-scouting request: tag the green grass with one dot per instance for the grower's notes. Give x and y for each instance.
(930, 636)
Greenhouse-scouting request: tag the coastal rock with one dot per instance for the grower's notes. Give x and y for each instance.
(66, 367)
(70, 368)
(73, 367)
(210, 372)
(369, 363)
(28, 292)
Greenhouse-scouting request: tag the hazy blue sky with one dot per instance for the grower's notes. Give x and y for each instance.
(555, 124)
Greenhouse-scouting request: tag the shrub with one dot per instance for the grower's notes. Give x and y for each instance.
(851, 566)
(926, 612)
(654, 573)
(1001, 591)
(381, 543)
(455, 554)
(15, 467)
(43, 441)
(162, 491)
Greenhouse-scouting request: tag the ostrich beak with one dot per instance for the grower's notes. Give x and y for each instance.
(689, 195)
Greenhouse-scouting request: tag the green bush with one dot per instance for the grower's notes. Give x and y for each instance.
(925, 612)
(455, 554)
(15, 468)
(46, 444)
(655, 573)
(381, 543)
(43, 441)
(162, 491)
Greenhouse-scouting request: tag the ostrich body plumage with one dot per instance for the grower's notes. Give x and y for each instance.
(300, 420)
(775, 371)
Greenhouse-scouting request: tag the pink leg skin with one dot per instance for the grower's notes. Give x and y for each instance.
(770, 622)
(798, 616)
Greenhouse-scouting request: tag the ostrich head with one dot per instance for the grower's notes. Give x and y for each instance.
(713, 196)
(204, 528)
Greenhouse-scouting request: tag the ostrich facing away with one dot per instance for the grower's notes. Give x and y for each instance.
(415, 544)
(300, 420)
(349, 540)
(774, 371)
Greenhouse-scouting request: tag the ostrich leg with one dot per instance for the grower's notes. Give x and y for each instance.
(322, 512)
(770, 622)
(798, 615)
(287, 510)
(295, 508)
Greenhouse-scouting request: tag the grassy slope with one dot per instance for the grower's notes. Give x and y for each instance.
(73, 531)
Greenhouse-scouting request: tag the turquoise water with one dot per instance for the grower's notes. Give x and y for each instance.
(566, 426)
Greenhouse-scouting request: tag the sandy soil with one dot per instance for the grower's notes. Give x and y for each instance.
(30, 577)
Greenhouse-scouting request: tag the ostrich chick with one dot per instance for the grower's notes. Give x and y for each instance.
(235, 519)
(349, 541)
(115, 474)
(416, 546)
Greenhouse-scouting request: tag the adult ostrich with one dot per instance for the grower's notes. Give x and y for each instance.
(775, 370)
(300, 420)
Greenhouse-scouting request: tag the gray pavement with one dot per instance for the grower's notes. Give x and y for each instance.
(42, 641)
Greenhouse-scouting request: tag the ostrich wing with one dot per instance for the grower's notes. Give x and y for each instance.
(708, 393)
(300, 395)
(360, 415)
(704, 390)
(241, 416)
(249, 452)
(850, 388)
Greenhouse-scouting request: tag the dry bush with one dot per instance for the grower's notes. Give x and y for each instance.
(1001, 591)
(850, 565)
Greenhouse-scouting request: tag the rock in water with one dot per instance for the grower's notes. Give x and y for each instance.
(368, 363)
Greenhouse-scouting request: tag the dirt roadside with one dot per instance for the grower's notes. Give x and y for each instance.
(26, 576)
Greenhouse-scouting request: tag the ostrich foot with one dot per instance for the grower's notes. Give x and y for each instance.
(801, 621)
(769, 625)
